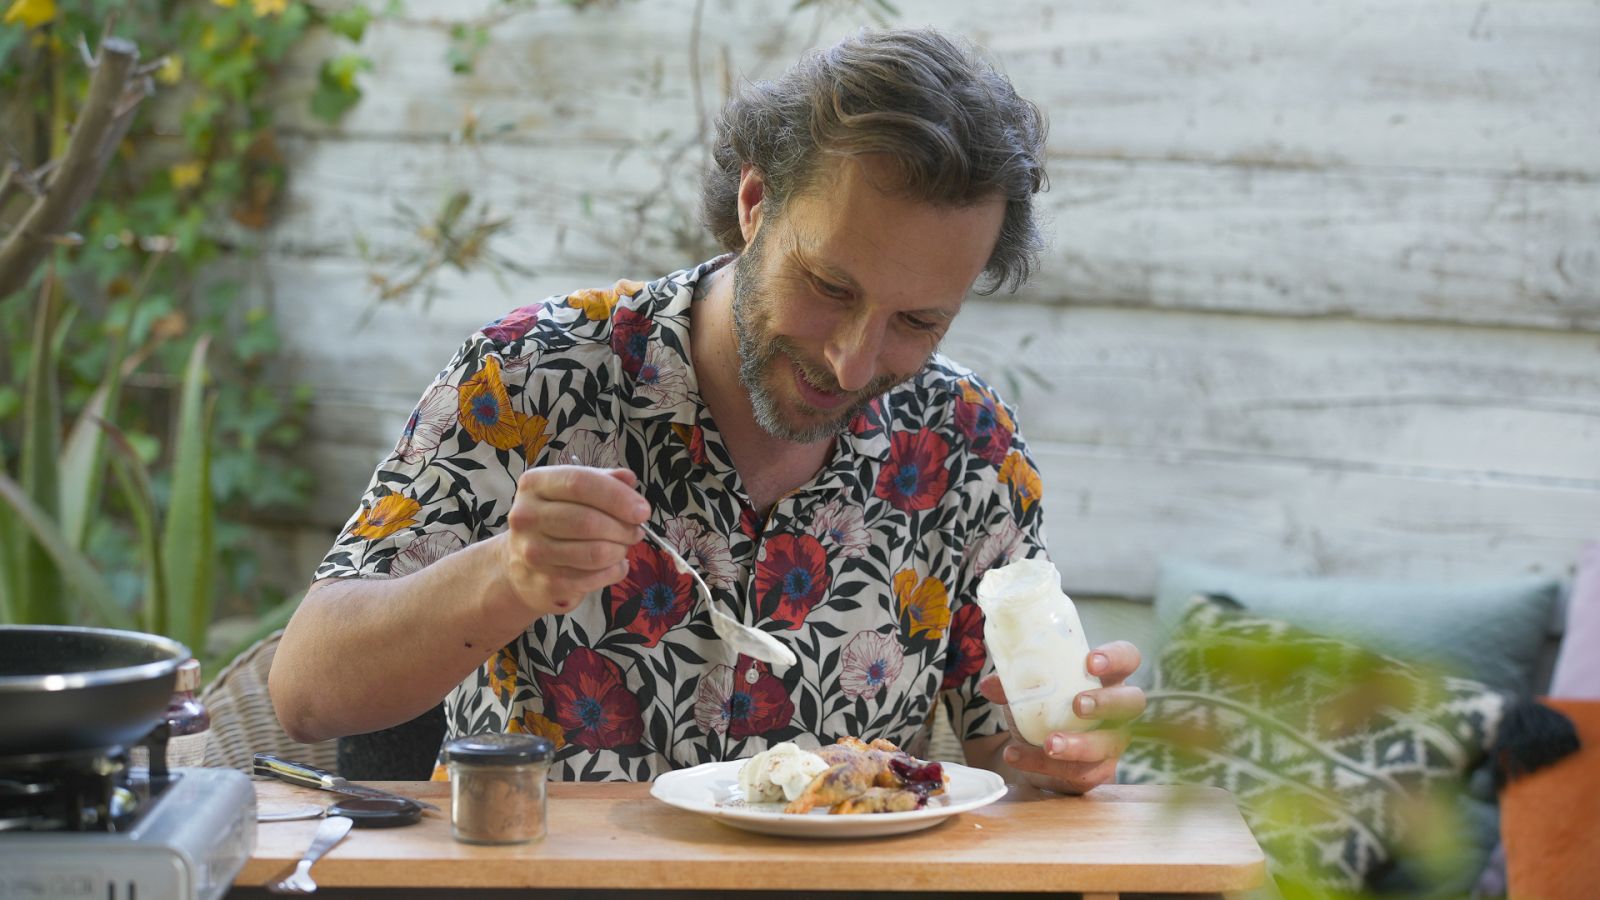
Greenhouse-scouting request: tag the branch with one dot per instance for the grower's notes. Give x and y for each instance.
(115, 92)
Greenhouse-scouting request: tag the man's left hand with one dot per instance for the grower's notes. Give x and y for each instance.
(1074, 762)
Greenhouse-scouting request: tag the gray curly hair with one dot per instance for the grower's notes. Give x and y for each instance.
(952, 124)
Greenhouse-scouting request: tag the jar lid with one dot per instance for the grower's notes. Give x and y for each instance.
(499, 749)
(188, 676)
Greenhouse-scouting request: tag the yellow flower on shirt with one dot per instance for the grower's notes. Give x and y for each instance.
(925, 603)
(597, 304)
(503, 674)
(533, 723)
(485, 410)
(535, 434)
(391, 513)
(1023, 478)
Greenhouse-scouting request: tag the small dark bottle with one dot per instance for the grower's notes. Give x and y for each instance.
(188, 721)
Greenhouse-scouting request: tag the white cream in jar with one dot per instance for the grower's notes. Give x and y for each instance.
(1032, 632)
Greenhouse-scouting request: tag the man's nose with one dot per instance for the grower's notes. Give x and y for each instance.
(853, 351)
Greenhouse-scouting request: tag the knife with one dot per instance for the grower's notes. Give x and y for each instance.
(311, 776)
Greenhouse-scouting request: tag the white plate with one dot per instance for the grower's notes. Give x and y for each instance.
(712, 789)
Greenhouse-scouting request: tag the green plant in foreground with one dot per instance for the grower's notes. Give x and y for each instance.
(136, 333)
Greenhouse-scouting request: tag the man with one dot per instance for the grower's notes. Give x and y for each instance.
(780, 414)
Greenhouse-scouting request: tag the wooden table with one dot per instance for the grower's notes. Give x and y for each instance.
(615, 836)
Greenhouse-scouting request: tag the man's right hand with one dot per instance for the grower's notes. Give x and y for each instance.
(567, 534)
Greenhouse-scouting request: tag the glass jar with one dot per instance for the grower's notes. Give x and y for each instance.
(188, 721)
(497, 787)
(1032, 632)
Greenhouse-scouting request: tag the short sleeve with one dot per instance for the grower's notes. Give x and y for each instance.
(451, 475)
(1007, 526)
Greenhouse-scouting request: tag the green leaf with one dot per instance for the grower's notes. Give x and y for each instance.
(39, 592)
(141, 502)
(72, 565)
(188, 533)
(83, 461)
(351, 23)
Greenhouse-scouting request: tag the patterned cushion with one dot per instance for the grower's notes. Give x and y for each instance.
(1339, 758)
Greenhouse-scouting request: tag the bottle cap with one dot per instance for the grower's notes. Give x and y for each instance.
(188, 676)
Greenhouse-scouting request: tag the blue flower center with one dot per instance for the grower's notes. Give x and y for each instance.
(797, 583)
(905, 481)
(411, 424)
(485, 409)
(657, 599)
(985, 420)
(739, 705)
(650, 374)
(590, 712)
(876, 671)
(637, 343)
(837, 534)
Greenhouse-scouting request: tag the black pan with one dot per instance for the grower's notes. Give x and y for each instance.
(65, 688)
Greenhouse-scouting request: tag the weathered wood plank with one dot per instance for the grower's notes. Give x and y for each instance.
(1382, 245)
(1501, 85)
(1417, 400)
(1111, 517)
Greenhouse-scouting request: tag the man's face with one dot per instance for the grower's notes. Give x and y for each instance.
(846, 293)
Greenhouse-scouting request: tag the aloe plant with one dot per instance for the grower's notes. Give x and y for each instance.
(45, 576)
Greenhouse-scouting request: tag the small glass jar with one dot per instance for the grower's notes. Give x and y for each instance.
(497, 787)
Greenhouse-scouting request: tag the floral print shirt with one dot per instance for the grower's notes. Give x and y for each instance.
(868, 572)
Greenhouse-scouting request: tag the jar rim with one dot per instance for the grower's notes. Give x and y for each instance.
(493, 748)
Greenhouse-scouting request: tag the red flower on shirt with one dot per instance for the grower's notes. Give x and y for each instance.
(791, 578)
(513, 324)
(653, 597)
(757, 707)
(630, 338)
(985, 422)
(915, 476)
(589, 700)
(742, 701)
(967, 653)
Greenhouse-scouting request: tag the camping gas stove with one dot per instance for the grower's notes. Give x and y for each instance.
(88, 825)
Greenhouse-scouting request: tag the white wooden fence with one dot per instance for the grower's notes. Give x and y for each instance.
(1323, 295)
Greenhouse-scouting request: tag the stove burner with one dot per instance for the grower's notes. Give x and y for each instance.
(81, 791)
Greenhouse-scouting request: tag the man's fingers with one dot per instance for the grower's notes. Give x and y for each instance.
(566, 521)
(1044, 770)
(990, 687)
(580, 556)
(607, 490)
(1085, 746)
(1112, 704)
(1113, 663)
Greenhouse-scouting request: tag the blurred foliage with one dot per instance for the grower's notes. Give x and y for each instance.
(194, 182)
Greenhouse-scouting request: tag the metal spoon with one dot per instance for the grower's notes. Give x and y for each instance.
(746, 639)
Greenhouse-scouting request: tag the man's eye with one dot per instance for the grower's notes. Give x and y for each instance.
(831, 290)
(921, 324)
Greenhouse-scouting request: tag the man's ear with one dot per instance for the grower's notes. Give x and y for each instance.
(752, 190)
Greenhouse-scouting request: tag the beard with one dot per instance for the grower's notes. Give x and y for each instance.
(759, 349)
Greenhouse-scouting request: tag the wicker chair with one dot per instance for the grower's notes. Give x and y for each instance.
(243, 722)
